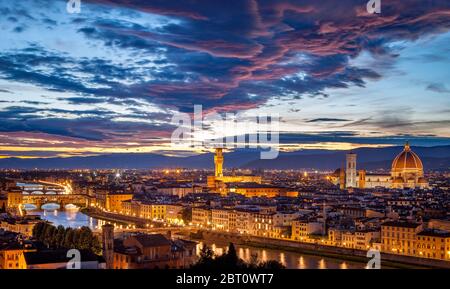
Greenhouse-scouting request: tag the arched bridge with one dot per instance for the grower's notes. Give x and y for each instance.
(62, 200)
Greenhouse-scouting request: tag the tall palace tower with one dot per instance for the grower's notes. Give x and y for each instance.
(108, 244)
(218, 162)
(350, 172)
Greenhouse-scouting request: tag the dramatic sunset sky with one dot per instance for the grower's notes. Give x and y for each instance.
(110, 78)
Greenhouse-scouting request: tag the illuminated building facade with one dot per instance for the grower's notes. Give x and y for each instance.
(153, 251)
(11, 257)
(399, 237)
(406, 172)
(218, 181)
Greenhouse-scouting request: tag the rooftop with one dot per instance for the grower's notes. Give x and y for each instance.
(57, 256)
(400, 224)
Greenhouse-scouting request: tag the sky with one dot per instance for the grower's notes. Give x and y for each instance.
(110, 78)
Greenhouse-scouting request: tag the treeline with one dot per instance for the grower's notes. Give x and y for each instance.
(60, 237)
(229, 261)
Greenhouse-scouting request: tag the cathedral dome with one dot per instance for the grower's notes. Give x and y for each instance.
(407, 160)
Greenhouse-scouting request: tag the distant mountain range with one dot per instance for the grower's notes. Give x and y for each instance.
(437, 157)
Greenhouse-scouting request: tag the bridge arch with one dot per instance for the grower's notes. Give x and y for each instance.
(51, 206)
(30, 207)
(71, 207)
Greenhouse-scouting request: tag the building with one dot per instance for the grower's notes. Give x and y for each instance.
(243, 221)
(302, 229)
(410, 239)
(179, 189)
(406, 172)
(218, 163)
(364, 239)
(261, 224)
(3, 203)
(216, 182)
(108, 245)
(350, 176)
(11, 257)
(433, 244)
(114, 201)
(15, 198)
(153, 211)
(399, 237)
(58, 259)
(201, 216)
(153, 251)
(251, 190)
(109, 198)
(21, 226)
(221, 219)
(174, 213)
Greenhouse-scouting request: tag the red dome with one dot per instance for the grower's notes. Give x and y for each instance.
(407, 159)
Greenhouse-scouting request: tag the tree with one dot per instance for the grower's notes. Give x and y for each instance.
(96, 246)
(253, 263)
(68, 238)
(38, 229)
(231, 258)
(59, 239)
(85, 238)
(231, 261)
(271, 265)
(186, 215)
(48, 235)
(206, 257)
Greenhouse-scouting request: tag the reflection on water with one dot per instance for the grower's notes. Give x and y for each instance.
(67, 218)
(72, 218)
(291, 260)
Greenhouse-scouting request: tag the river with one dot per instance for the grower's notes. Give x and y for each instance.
(289, 259)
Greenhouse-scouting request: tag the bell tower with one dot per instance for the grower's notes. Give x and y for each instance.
(218, 163)
(350, 171)
(108, 244)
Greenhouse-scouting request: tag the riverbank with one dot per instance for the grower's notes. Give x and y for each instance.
(338, 253)
(116, 218)
(351, 255)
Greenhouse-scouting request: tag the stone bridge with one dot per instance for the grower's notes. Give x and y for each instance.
(62, 200)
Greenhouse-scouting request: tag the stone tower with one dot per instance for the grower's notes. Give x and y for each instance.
(108, 245)
(218, 162)
(350, 171)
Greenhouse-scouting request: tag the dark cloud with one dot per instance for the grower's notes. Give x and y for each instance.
(5, 91)
(95, 124)
(225, 55)
(231, 50)
(438, 87)
(327, 120)
(352, 137)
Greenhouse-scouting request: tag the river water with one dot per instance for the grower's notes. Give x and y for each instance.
(291, 260)
(72, 219)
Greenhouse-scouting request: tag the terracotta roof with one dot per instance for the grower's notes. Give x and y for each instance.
(152, 240)
(435, 233)
(57, 256)
(401, 224)
(407, 159)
